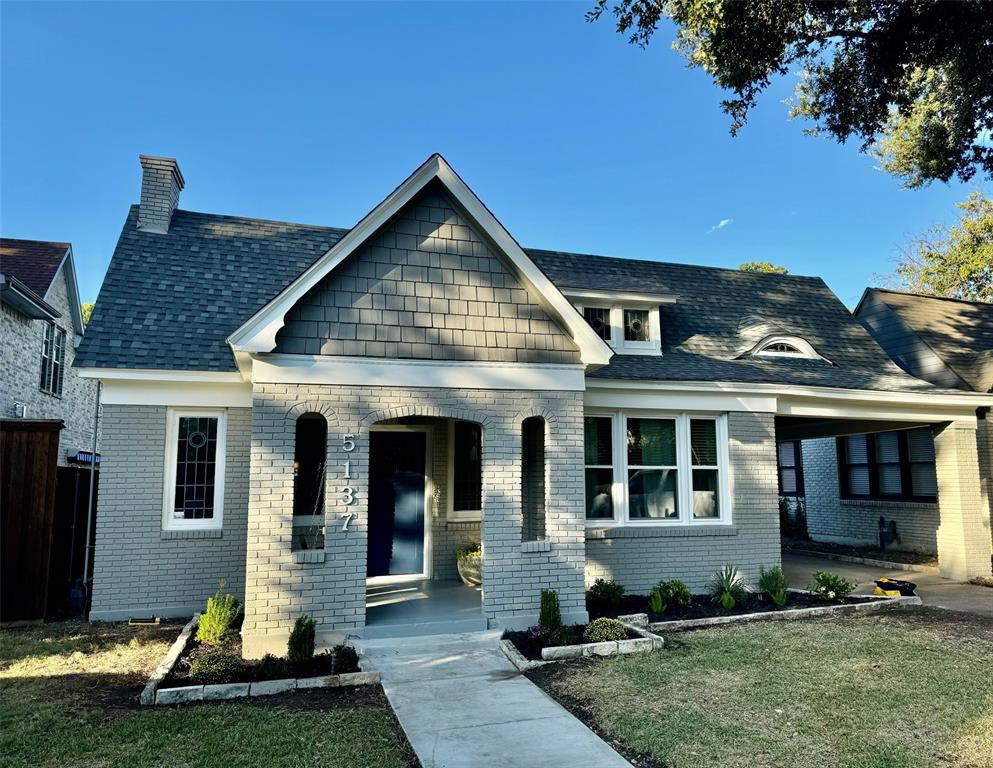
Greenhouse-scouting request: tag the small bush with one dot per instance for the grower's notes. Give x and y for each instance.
(300, 648)
(220, 619)
(346, 659)
(655, 602)
(563, 636)
(216, 665)
(470, 551)
(800, 529)
(550, 617)
(603, 630)
(831, 587)
(271, 667)
(674, 592)
(604, 595)
(727, 587)
(774, 584)
(785, 522)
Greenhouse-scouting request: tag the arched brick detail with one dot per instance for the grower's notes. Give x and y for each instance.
(545, 413)
(431, 411)
(310, 406)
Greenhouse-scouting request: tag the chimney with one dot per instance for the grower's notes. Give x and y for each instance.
(161, 183)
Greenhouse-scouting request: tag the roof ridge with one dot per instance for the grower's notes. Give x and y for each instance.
(929, 296)
(260, 220)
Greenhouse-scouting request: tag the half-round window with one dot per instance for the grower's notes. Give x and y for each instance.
(789, 346)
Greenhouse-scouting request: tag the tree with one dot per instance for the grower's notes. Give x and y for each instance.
(909, 79)
(763, 266)
(87, 309)
(953, 261)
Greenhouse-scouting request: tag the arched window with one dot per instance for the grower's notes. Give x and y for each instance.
(533, 478)
(309, 472)
(786, 346)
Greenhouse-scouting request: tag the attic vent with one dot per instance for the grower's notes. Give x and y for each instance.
(782, 348)
(785, 346)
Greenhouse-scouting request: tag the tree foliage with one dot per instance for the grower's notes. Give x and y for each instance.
(87, 309)
(953, 261)
(763, 266)
(909, 79)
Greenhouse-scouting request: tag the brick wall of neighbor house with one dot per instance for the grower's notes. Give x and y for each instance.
(427, 286)
(20, 374)
(139, 569)
(640, 557)
(831, 518)
(282, 584)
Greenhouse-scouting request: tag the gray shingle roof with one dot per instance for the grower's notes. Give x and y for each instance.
(170, 301)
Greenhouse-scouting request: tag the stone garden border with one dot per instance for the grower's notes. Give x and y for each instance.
(153, 694)
(647, 641)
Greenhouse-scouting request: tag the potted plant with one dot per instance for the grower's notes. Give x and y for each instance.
(470, 565)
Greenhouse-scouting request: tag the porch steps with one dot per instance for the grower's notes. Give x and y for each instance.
(418, 628)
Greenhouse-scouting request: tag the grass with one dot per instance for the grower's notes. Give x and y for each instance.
(68, 697)
(898, 690)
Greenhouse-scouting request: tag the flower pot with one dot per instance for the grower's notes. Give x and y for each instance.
(471, 569)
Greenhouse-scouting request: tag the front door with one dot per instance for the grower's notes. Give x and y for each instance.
(396, 503)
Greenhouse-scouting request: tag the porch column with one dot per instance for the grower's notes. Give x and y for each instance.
(963, 534)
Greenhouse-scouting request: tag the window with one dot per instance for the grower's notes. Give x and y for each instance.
(649, 470)
(599, 320)
(790, 469)
(194, 487)
(533, 478)
(53, 356)
(785, 346)
(895, 466)
(782, 348)
(629, 330)
(309, 478)
(467, 468)
(635, 325)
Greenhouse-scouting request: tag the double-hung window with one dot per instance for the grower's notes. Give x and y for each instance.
(790, 468)
(888, 466)
(648, 469)
(194, 470)
(53, 357)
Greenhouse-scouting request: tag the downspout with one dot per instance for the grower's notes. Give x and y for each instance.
(89, 505)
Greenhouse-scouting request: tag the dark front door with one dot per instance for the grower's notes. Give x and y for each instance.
(396, 503)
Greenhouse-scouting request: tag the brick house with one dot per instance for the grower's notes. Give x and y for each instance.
(322, 416)
(41, 326)
(855, 484)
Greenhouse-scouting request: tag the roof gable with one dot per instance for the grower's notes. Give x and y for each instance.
(260, 332)
(34, 262)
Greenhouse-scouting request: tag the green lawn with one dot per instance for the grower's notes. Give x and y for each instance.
(898, 690)
(68, 696)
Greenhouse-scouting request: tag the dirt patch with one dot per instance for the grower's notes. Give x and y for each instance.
(870, 553)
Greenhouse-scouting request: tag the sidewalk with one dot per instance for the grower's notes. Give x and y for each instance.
(933, 590)
(463, 705)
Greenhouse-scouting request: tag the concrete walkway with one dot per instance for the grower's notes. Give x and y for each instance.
(933, 590)
(463, 705)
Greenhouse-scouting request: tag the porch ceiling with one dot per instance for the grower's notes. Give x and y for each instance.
(799, 428)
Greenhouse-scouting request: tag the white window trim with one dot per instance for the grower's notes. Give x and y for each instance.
(173, 415)
(617, 341)
(464, 515)
(684, 467)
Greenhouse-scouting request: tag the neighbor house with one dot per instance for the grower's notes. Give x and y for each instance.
(305, 411)
(858, 485)
(41, 326)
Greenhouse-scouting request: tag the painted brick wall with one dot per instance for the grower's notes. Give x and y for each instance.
(428, 287)
(831, 518)
(20, 374)
(984, 437)
(640, 557)
(279, 587)
(139, 569)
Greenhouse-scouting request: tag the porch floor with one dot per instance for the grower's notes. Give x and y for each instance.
(422, 607)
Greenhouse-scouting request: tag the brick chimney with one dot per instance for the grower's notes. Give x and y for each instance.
(161, 183)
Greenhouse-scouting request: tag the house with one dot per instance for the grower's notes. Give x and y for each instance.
(315, 414)
(859, 484)
(41, 326)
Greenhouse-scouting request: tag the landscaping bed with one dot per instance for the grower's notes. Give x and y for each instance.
(531, 644)
(806, 546)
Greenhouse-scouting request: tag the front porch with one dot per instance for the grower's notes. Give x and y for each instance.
(407, 607)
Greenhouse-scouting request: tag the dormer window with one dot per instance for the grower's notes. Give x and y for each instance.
(636, 325)
(631, 323)
(781, 348)
(599, 320)
(785, 346)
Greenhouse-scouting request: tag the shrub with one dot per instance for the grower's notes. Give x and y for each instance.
(220, 618)
(346, 659)
(300, 648)
(563, 636)
(216, 665)
(550, 617)
(785, 523)
(271, 667)
(774, 584)
(727, 587)
(674, 592)
(604, 595)
(831, 587)
(655, 602)
(470, 551)
(800, 525)
(603, 630)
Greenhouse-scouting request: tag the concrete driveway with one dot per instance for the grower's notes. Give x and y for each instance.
(933, 590)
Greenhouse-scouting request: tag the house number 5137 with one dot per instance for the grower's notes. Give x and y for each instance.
(348, 492)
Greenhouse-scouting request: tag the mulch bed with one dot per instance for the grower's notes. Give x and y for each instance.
(702, 607)
(530, 646)
(872, 553)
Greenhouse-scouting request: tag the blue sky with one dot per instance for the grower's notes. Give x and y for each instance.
(314, 112)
